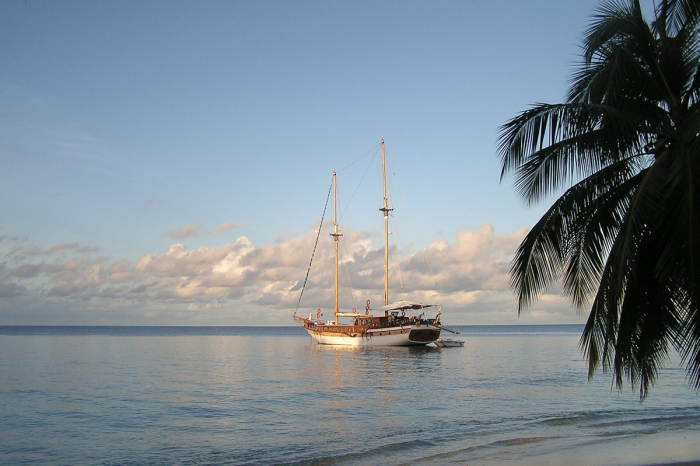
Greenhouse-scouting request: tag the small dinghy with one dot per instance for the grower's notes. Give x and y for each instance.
(449, 343)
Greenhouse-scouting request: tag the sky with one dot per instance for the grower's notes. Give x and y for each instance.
(168, 163)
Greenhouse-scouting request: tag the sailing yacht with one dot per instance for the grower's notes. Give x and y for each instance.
(392, 327)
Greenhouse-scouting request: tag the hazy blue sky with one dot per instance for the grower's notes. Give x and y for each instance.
(168, 162)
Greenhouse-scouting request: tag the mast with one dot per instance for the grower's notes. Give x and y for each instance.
(336, 236)
(385, 209)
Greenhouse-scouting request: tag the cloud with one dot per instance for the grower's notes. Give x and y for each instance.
(193, 230)
(240, 283)
(9, 290)
(190, 231)
(228, 226)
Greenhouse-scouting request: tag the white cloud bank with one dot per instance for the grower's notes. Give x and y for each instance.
(240, 283)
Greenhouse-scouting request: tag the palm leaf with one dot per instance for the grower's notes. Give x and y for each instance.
(625, 149)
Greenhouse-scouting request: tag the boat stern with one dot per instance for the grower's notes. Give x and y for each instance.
(424, 335)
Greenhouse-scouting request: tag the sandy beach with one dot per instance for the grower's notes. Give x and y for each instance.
(653, 449)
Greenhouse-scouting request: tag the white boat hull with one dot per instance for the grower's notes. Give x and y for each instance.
(393, 336)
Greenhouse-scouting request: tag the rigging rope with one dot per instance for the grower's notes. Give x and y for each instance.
(366, 154)
(346, 253)
(316, 244)
(361, 179)
(415, 229)
(398, 253)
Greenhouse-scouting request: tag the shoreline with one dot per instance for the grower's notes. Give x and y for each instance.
(669, 448)
(684, 463)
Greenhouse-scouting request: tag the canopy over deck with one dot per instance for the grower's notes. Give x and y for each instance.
(402, 306)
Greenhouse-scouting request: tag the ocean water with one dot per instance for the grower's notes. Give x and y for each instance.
(269, 396)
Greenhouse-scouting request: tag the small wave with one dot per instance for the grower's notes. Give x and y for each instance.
(644, 426)
(370, 455)
(519, 441)
(470, 451)
(571, 419)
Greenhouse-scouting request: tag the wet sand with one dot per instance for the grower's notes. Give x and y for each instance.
(673, 448)
(685, 463)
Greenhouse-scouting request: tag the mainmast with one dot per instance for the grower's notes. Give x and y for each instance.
(336, 236)
(385, 209)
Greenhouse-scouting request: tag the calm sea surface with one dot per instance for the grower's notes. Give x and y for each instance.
(264, 396)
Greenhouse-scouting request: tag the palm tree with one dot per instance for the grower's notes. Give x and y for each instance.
(625, 151)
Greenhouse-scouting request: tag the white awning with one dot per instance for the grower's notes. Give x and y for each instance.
(402, 305)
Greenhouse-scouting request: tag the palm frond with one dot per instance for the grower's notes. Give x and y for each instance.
(605, 198)
(550, 145)
(625, 148)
